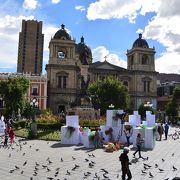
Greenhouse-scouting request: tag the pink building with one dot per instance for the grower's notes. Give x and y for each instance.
(37, 88)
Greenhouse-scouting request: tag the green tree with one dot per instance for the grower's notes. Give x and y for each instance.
(142, 110)
(173, 105)
(13, 92)
(109, 91)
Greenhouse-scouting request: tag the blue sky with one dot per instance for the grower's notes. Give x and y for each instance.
(109, 27)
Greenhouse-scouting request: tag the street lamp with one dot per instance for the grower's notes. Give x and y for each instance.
(34, 105)
(111, 106)
(148, 104)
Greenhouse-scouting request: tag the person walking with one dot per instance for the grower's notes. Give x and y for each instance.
(139, 142)
(160, 131)
(166, 129)
(96, 138)
(127, 133)
(125, 164)
(5, 137)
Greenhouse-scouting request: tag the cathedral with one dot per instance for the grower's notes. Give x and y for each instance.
(70, 69)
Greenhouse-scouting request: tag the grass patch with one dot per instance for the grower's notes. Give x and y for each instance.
(50, 135)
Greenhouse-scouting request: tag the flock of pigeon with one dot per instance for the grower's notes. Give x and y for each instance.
(71, 167)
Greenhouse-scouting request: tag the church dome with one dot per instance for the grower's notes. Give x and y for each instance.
(85, 54)
(142, 43)
(62, 34)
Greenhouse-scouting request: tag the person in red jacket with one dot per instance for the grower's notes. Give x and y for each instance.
(11, 135)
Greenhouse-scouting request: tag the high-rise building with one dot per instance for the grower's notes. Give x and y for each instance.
(30, 52)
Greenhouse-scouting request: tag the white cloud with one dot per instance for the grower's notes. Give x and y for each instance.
(30, 4)
(101, 53)
(55, 1)
(163, 27)
(107, 9)
(80, 8)
(168, 63)
(9, 34)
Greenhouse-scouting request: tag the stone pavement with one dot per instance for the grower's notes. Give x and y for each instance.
(41, 160)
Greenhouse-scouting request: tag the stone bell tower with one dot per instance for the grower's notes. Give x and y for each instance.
(141, 63)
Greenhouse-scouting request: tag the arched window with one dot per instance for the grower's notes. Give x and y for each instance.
(62, 79)
(146, 84)
(144, 59)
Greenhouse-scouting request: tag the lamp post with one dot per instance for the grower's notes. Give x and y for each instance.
(34, 105)
(111, 106)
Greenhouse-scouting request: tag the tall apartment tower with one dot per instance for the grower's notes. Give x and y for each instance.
(30, 51)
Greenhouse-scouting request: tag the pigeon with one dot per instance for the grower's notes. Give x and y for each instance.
(50, 162)
(68, 173)
(174, 168)
(93, 162)
(24, 163)
(37, 164)
(50, 178)
(91, 165)
(86, 160)
(24, 154)
(93, 155)
(77, 166)
(73, 158)
(172, 154)
(104, 175)
(61, 159)
(166, 179)
(17, 167)
(74, 168)
(150, 174)
(156, 165)
(143, 172)
(161, 170)
(22, 172)
(48, 169)
(37, 149)
(9, 154)
(11, 171)
(56, 173)
(147, 165)
(163, 160)
(104, 170)
(44, 166)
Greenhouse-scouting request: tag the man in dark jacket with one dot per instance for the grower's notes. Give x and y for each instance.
(125, 164)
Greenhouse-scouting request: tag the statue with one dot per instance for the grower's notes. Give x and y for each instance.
(85, 98)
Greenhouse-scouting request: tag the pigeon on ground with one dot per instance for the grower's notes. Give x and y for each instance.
(150, 174)
(174, 168)
(68, 173)
(143, 172)
(156, 165)
(25, 163)
(104, 170)
(161, 170)
(104, 175)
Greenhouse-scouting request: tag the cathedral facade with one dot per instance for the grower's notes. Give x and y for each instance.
(70, 68)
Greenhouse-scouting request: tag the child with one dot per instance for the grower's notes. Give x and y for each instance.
(11, 135)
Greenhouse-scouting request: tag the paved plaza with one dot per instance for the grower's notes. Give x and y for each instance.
(41, 160)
